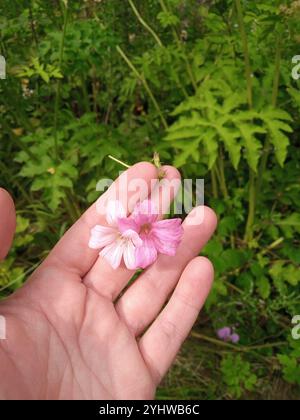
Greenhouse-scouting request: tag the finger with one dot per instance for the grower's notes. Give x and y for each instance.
(72, 251)
(166, 190)
(162, 341)
(102, 277)
(141, 303)
(7, 222)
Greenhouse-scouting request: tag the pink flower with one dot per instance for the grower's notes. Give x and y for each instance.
(114, 243)
(158, 236)
(137, 238)
(235, 338)
(226, 334)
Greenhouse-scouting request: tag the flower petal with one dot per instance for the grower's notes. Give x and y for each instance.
(129, 255)
(145, 212)
(146, 254)
(114, 211)
(167, 235)
(235, 338)
(224, 333)
(113, 253)
(102, 236)
(126, 223)
(133, 237)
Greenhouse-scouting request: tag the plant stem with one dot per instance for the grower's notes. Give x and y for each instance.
(273, 245)
(86, 99)
(223, 185)
(95, 91)
(248, 73)
(30, 270)
(159, 42)
(145, 24)
(277, 74)
(214, 182)
(58, 85)
(266, 149)
(34, 35)
(252, 207)
(236, 347)
(70, 209)
(145, 84)
(118, 161)
(179, 44)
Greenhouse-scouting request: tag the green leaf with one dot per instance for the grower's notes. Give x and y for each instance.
(211, 144)
(233, 258)
(227, 225)
(190, 149)
(230, 139)
(292, 220)
(252, 144)
(277, 128)
(263, 287)
(167, 19)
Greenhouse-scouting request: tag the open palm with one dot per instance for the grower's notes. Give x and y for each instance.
(76, 330)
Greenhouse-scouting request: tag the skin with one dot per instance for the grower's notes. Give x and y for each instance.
(70, 335)
(7, 222)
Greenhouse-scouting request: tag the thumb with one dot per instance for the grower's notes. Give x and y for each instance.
(7, 222)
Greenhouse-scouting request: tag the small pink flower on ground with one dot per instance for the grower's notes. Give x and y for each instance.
(158, 236)
(235, 338)
(115, 244)
(226, 334)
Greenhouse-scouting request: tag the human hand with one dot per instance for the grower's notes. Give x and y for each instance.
(7, 222)
(70, 335)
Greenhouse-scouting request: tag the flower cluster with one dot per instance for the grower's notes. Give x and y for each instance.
(227, 334)
(138, 238)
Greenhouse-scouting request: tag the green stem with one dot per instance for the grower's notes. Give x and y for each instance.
(118, 161)
(277, 74)
(179, 44)
(159, 42)
(252, 207)
(70, 208)
(145, 84)
(267, 145)
(57, 96)
(145, 24)
(95, 91)
(34, 35)
(86, 99)
(214, 182)
(16, 280)
(273, 245)
(236, 347)
(248, 74)
(223, 185)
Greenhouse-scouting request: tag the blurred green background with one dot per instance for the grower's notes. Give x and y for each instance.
(210, 86)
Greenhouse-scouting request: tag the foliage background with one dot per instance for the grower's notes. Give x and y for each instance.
(208, 85)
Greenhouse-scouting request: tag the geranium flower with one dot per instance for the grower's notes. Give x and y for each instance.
(158, 236)
(226, 334)
(138, 238)
(114, 243)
